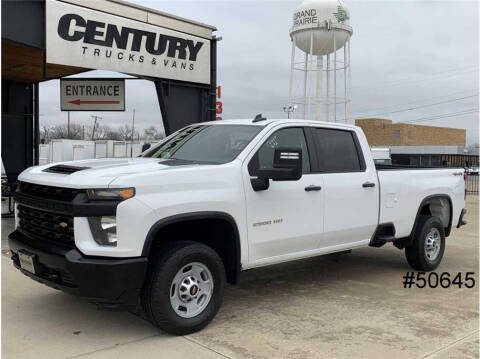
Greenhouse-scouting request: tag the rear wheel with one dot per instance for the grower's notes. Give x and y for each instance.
(184, 287)
(428, 245)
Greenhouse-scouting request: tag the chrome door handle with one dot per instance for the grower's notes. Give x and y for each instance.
(368, 184)
(313, 188)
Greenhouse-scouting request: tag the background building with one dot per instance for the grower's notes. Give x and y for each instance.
(381, 132)
(423, 146)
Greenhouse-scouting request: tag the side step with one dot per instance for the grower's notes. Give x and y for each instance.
(383, 234)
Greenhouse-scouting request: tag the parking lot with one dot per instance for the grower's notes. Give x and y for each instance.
(348, 306)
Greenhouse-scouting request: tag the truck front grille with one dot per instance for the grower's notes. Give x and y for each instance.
(49, 192)
(43, 225)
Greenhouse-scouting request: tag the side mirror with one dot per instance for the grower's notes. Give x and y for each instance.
(287, 166)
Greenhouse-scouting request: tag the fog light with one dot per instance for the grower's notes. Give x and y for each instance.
(104, 230)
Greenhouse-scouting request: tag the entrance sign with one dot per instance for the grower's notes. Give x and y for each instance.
(92, 95)
(77, 36)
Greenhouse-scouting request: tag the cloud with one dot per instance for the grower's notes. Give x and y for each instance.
(403, 52)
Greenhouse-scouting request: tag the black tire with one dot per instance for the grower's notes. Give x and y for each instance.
(416, 254)
(164, 264)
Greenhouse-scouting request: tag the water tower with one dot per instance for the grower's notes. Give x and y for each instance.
(321, 29)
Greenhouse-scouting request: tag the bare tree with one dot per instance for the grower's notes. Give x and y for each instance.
(48, 133)
(113, 134)
(45, 133)
(153, 133)
(125, 133)
(102, 132)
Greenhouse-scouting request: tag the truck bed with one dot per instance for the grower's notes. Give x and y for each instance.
(402, 190)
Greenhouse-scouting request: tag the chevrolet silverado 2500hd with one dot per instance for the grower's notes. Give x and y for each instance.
(165, 231)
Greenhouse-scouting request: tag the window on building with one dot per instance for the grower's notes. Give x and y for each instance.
(409, 135)
(396, 134)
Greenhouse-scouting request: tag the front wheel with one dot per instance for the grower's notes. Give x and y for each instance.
(184, 287)
(428, 245)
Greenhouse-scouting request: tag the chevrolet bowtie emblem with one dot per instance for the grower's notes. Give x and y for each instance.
(63, 224)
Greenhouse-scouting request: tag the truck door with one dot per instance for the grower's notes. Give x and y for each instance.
(351, 189)
(287, 218)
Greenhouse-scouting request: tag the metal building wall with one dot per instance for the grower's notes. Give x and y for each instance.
(182, 104)
(18, 130)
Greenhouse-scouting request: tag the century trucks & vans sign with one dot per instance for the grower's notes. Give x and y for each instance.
(78, 36)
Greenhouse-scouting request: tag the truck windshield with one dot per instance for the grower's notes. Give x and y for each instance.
(209, 144)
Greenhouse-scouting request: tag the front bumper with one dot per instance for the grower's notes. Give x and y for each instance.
(110, 283)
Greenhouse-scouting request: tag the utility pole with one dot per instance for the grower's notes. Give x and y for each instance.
(133, 133)
(95, 118)
(68, 125)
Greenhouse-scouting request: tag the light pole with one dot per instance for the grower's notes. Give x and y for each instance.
(133, 133)
(289, 109)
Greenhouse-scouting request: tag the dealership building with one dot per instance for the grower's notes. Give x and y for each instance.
(50, 39)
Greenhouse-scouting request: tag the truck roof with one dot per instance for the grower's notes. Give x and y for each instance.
(269, 121)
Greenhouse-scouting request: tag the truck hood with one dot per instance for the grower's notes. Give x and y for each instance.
(97, 172)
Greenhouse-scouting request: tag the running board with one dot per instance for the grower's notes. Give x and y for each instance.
(383, 234)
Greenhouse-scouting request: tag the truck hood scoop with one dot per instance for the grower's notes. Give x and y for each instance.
(66, 169)
(94, 173)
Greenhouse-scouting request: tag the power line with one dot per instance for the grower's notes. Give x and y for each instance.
(364, 110)
(439, 117)
(452, 73)
(422, 106)
(445, 115)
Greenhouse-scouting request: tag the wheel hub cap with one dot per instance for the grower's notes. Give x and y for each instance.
(191, 290)
(433, 244)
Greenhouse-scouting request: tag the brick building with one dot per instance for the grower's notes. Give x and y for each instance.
(382, 132)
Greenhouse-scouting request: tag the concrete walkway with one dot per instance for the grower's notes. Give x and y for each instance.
(350, 306)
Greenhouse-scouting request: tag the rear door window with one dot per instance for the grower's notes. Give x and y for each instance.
(337, 150)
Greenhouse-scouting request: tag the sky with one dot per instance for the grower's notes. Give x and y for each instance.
(410, 61)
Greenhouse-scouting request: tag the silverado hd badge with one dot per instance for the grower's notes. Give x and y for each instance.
(266, 223)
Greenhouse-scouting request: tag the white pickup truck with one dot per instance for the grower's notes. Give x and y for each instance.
(165, 231)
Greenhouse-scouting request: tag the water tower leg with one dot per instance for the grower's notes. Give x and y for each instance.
(345, 64)
(319, 88)
(292, 70)
(327, 97)
(305, 85)
(310, 68)
(349, 81)
(335, 76)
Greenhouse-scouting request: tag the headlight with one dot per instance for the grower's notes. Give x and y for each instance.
(104, 230)
(106, 194)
